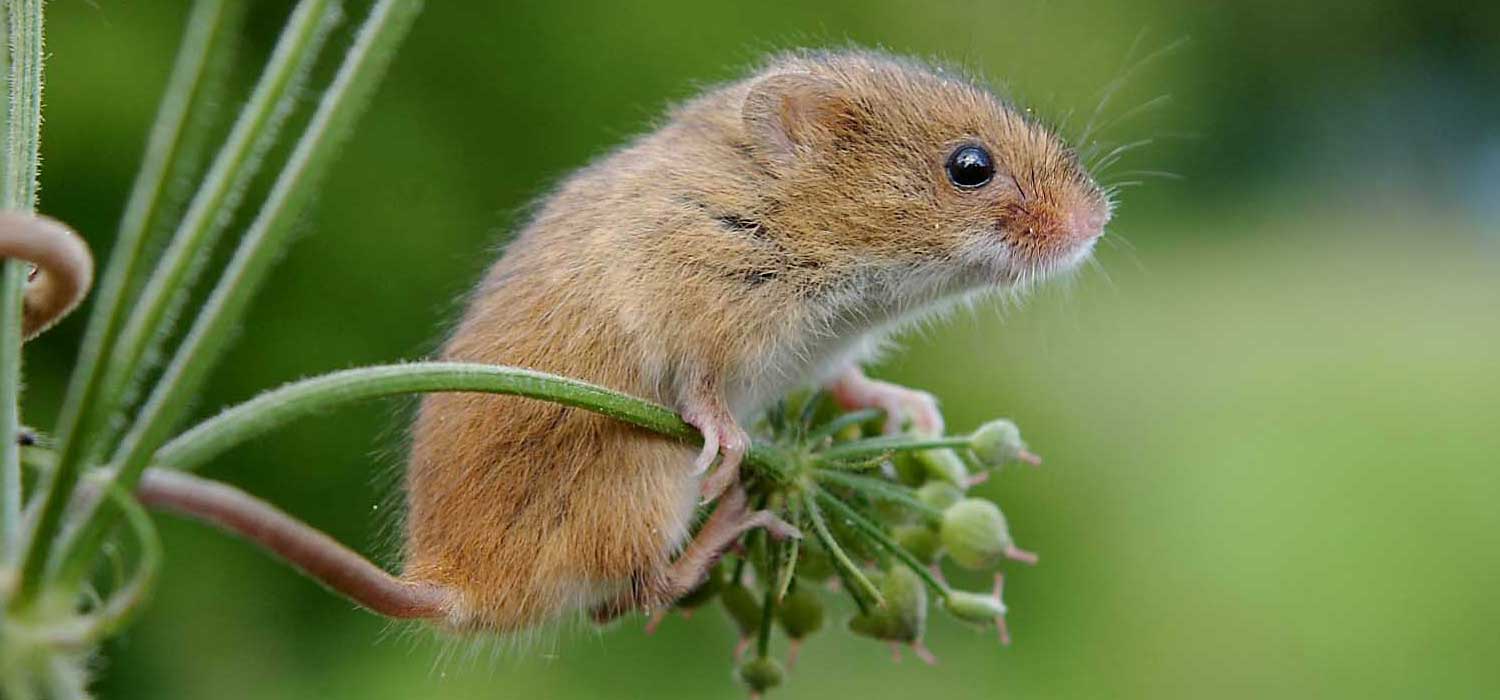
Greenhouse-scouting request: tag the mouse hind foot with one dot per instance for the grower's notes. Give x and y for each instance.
(731, 518)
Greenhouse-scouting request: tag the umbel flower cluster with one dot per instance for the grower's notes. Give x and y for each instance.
(879, 514)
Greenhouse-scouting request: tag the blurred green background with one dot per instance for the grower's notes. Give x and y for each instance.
(1270, 413)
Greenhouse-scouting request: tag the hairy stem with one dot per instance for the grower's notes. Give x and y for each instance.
(871, 447)
(85, 410)
(345, 99)
(18, 187)
(213, 206)
(286, 404)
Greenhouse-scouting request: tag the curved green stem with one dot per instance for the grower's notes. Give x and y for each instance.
(127, 602)
(291, 402)
(288, 403)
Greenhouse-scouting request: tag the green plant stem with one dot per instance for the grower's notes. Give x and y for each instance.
(209, 22)
(126, 603)
(871, 447)
(89, 402)
(18, 186)
(213, 206)
(290, 402)
(881, 490)
(860, 587)
(344, 101)
(833, 426)
(210, 30)
(12, 284)
(876, 534)
(767, 618)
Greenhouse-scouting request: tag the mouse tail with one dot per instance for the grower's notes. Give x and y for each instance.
(314, 553)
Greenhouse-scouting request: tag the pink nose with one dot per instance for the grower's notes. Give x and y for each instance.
(1087, 222)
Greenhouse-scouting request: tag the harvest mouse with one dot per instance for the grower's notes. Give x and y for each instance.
(769, 235)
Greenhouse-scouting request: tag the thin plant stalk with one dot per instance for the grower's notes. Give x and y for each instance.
(345, 99)
(872, 447)
(211, 26)
(18, 187)
(291, 402)
(213, 206)
(860, 586)
(880, 489)
(874, 533)
(837, 424)
(89, 400)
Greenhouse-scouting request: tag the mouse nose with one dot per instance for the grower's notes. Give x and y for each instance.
(1086, 222)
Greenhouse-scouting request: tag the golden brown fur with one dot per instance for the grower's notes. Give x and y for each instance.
(765, 236)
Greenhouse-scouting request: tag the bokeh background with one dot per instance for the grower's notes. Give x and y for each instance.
(1271, 414)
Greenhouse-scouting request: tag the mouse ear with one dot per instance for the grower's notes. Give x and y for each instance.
(788, 113)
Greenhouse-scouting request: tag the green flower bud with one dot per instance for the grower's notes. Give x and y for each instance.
(760, 675)
(814, 564)
(980, 608)
(944, 465)
(975, 607)
(800, 612)
(939, 494)
(998, 442)
(849, 433)
(908, 470)
(976, 536)
(742, 607)
(920, 540)
(904, 617)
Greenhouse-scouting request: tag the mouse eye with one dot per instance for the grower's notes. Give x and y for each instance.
(970, 167)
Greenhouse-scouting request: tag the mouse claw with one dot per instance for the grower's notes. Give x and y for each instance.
(710, 450)
(724, 439)
(853, 390)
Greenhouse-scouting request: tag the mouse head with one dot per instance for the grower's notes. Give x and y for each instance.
(897, 165)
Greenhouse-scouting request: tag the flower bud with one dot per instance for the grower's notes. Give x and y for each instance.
(976, 536)
(849, 433)
(800, 612)
(980, 608)
(944, 465)
(921, 541)
(761, 674)
(742, 607)
(813, 563)
(998, 442)
(975, 607)
(939, 494)
(907, 469)
(904, 617)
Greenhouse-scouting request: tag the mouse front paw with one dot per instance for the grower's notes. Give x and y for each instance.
(852, 390)
(723, 439)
